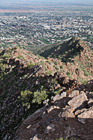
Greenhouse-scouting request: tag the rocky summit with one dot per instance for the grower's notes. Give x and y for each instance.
(45, 97)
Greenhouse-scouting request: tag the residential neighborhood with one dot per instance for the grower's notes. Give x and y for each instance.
(45, 27)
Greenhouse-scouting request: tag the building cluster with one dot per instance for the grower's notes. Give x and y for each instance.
(43, 28)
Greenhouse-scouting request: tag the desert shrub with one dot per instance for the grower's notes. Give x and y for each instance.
(61, 67)
(48, 72)
(30, 65)
(41, 63)
(2, 68)
(48, 62)
(20, 57)
(87, 73)
(5, 56)
(2, 71)
(53, 84)
(56, 67)
(39, 96)
(68, 73)
(55, 62)
(26, 97)
(41, 57)
(83, 81)
(29, 98)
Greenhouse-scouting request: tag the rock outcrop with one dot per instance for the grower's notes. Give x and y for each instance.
(68, 117)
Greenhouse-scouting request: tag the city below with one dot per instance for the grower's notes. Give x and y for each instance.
(43, 25)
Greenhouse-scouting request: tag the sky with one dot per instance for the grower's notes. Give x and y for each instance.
(44, 1)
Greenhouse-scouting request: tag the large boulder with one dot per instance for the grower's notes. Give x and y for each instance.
(87, 114)
(78, 101)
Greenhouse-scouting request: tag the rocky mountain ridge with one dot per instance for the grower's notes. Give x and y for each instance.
(28, 82)
(79, 68)
(68, 50)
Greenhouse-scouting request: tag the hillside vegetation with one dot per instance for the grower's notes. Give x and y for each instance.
(28, 81)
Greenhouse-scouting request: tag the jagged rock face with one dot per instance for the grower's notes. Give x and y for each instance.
(67, 117)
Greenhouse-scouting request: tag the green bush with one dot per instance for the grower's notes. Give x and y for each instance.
(48, 72)
(20, 57)
(29, 98)
(86, 73)
(30, 65)
(83, 81)
(68, 73)
(56, 67)
(6, 56)
(26, 97)
(55, 62)
(61, 67)
(39, 96)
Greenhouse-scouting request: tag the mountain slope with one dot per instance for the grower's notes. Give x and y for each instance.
(28, 82)
(75, 56)
(67, 51)
(24, 86)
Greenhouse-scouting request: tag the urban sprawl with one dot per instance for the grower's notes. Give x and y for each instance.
(46, 27)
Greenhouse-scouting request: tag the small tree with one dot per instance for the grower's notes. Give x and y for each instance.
(39, 96)
(27, 97)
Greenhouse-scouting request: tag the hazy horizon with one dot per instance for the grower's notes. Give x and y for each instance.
(3, 2)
